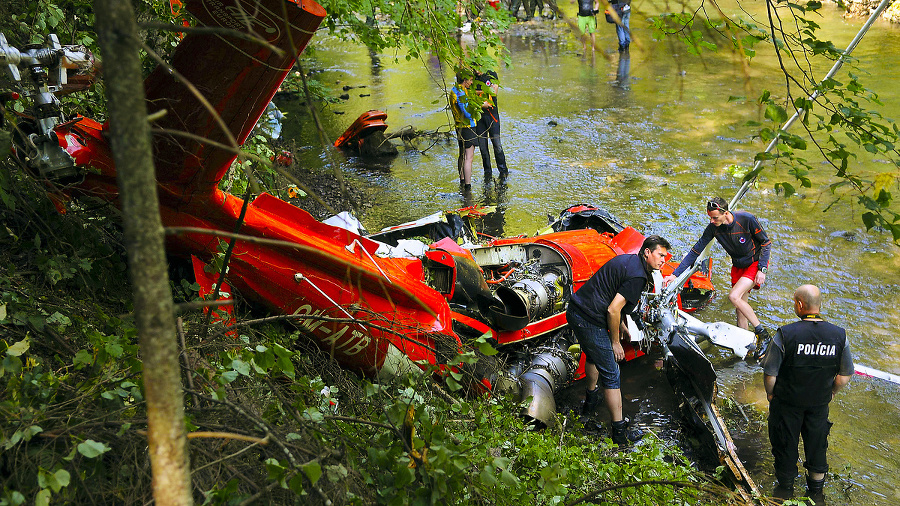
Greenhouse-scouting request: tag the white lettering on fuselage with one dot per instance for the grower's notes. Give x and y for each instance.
(818, 349)
(356, 342)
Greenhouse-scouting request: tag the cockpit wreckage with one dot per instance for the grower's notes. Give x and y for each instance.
(376, 306)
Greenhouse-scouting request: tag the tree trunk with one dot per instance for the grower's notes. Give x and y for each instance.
(131, 147)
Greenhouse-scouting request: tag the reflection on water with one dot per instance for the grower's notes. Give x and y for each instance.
(650, 136)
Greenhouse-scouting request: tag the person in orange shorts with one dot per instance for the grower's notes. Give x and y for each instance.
(745, 241)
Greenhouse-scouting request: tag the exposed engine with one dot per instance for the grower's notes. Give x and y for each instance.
(528, 282)
(542, 370)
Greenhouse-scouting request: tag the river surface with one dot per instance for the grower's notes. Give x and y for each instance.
(651, 138)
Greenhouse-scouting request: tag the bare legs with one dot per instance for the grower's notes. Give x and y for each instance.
(584, 43)
(464, 164)
(739, 296)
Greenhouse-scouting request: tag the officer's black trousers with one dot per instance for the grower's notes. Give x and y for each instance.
(787, 424)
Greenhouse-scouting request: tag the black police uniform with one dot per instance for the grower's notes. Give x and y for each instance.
(805, 356)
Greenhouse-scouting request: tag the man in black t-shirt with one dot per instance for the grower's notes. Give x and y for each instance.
(807, 363)
(596, 314)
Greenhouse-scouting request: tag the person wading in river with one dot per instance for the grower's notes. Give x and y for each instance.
(587, 23)
(488, 126)
(807, 363)
(596, 314)
(745, 241)
(465, 127)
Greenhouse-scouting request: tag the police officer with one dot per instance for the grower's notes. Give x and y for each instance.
(807, 363)
(596, 314)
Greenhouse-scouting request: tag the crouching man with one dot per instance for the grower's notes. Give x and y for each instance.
(596, 314)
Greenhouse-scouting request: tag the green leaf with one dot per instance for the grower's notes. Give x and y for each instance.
(92, 449)
(15, 498)
(787, 187)
(870, 220)
(2, 311)
(296, 484)
(60, 319)
(30, 432)
(487, 476)
(61, 478)
(313, 471)
(776, 113)
(508, 478)
(453, 384)
(313, 414)
(82, 358)
(486, 349)
(241, 367)
(283, 362)
(114, 349)
(18, 349)
(12, 365)
(42, 498)
(336, 473)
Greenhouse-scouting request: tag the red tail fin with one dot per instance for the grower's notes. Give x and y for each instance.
(237, 76)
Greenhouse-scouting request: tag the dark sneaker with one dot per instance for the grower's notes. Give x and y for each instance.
(762, 343)
(591, 401)
(623, 435)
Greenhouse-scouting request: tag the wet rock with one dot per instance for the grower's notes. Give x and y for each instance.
(849, 235)
(339, 112)
(365, 94)
(552, 123)
(348, 87)
(345, 96)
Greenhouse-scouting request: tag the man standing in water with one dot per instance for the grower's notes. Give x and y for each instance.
(587, 22)
(596, 314)
(488, 126)
(623, 26)
(807, 363)
(465, 128)
(745, 241)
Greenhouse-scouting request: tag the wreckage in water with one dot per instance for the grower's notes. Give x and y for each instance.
(373, 310)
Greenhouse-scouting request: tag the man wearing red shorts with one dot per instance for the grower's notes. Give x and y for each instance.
(745, 241)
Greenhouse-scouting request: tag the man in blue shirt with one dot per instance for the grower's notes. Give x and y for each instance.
(465, 127)
(745, 241)
(596, 314)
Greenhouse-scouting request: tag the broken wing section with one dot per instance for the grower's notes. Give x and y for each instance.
(236, 75)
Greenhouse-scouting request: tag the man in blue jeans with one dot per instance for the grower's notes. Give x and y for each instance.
(596, 314)
(623, 30)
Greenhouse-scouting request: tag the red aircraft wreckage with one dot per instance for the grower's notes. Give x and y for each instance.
(375, 306)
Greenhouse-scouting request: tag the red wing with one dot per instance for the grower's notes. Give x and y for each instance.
(238, 77)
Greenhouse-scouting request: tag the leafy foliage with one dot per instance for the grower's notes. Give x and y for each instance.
(839, 115)
(422, 28)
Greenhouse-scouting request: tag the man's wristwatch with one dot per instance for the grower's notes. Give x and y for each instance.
(763, 269)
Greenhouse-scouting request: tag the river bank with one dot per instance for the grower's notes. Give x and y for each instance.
(863, 8)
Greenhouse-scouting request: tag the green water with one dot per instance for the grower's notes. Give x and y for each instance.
(652, 146)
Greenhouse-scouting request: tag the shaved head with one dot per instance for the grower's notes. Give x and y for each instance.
(810, 297)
